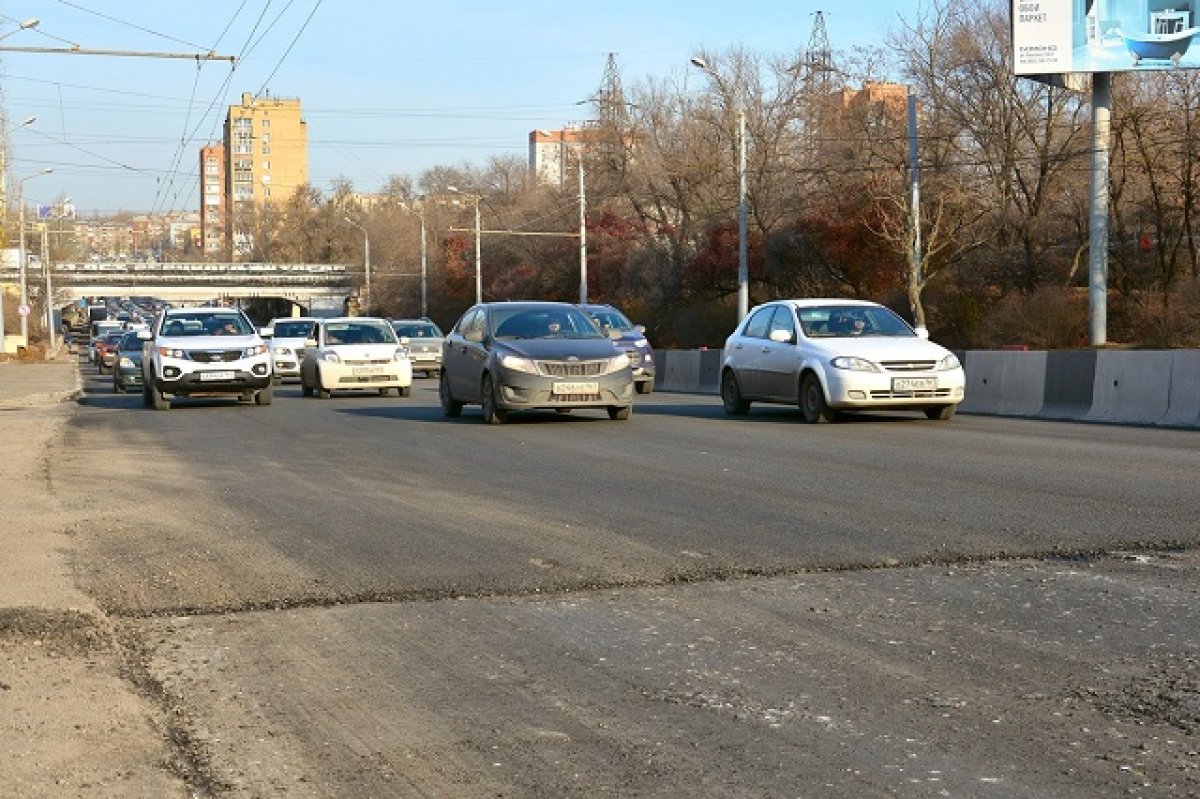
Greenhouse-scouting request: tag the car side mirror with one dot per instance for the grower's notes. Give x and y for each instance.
(613, 333)
(145, 335)
(404, 340)
(266, 332)
(781, 336)
(639, 329)
(922, 333)
(310, 342)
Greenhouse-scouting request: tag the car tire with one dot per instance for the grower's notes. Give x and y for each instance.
(491, 413)
(731, 395)
(404, 391)
(323, 393)
(940, 413)
(147, 395)
(619, 413)
(383, 392)
(813, 406)
(161, 403)
(117, 387)
(644, 387)
(265, 396)
(451, 408)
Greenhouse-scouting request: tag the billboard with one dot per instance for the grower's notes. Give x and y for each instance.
(1058, 36)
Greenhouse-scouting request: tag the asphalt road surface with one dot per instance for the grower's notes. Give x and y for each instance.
(357, 597)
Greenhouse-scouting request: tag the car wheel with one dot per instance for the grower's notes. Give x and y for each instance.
(940, 413)
(383, 392)
(404, 391)
(645, 387)
(491, 414)
(323, 393)
(731, 395)
(619, 413)
(812, 401)
(147, 395)
(450, 406)
(276, 379)
(161, 403)
(117, 387)
(265, 396)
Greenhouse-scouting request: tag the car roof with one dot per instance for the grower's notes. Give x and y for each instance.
(294, 319)
(343, 319)
(809, 302)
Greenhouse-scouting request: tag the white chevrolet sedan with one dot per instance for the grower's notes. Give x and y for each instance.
(829, 356)
(354, 353)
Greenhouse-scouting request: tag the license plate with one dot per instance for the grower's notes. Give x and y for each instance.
(216, 375)
(914, 384)
(575, 388)
(367, 370)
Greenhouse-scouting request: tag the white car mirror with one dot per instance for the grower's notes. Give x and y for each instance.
(780, 336)
(922, 333)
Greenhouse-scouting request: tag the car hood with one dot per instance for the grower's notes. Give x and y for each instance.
(289, 341)
(363, 352)
(879, 348)
(208, 342)
(561, 348)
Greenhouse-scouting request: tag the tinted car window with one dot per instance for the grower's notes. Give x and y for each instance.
(542, 322)
(782, 320)
(610, 317)
(840, 320)
(292, 329)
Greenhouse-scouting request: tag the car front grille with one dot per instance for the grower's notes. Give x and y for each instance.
(571, 368)
(214, 356)
(908, 366)
(367, 361)
(935, 393)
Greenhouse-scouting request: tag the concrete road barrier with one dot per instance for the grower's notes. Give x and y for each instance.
(1005, 383)
(1183, 404)
(1131, 387)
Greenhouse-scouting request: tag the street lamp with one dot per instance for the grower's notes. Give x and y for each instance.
(366, 266)
(475, 198)
(50, 329)
(743, 266)
(22, 256)
(424, 259)
(3, 184)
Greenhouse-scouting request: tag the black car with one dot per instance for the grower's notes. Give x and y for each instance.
(508, 356)
(633, 340)
(127, 363)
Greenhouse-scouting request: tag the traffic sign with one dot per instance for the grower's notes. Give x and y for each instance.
(23, 309)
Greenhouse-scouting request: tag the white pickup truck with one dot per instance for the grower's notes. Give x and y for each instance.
(204, 352)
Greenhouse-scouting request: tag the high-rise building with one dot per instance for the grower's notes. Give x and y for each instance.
(266, 160)
(212, 200)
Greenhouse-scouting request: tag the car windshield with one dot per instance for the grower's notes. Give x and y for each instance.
(610, 318)
(832, 321)
(543, 323)
(206, 324)
(130, 341)
(359, 333)
(292, 329)
(417, 329)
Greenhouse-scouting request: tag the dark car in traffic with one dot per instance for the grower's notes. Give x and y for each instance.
(510, 356)
(127, 363)
(633, 340)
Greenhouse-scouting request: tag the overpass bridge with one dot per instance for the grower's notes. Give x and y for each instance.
(322, 287)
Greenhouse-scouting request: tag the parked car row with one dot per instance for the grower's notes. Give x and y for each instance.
(824, 356)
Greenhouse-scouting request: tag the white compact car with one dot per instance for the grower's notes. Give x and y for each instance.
(829, 356)
(354, 353)
(287, 345)
(204, 352)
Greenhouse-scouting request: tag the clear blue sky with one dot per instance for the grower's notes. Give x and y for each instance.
(387, 86)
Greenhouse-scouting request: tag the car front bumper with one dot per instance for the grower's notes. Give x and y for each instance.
(334, 376)
(517, 390)
(181, 377)
(862, 390)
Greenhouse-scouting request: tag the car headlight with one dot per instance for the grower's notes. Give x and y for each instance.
(641, 342)
(950, 362)
(519, 364)
(126, 363)
(617, 363)
(257, 349)
(281, 351)
(401, 354)
(331, 356)
(854, 364)
(170, 352)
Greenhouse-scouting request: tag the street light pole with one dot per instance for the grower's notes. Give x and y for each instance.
(583, 287)
(424, 262)
(21, 252)
(743, 300)
(366, 266)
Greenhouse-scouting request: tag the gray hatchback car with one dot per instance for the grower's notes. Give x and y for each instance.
(508, 356)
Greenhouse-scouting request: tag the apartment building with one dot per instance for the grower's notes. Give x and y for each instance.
(212, 200)
(266, 160)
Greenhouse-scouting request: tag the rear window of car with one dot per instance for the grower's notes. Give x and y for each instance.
(359, 333)
(293, 329)
(417, 329)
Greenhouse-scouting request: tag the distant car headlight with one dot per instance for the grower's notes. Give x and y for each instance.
(519, 364)
(127, 363)
(331, 356)
(257, 349)
(853, 364)
(401, 354)
(171, 352)
(950, 362)
(282, 351)
(617, 363)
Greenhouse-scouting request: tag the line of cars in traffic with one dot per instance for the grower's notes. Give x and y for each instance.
(825, 356)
